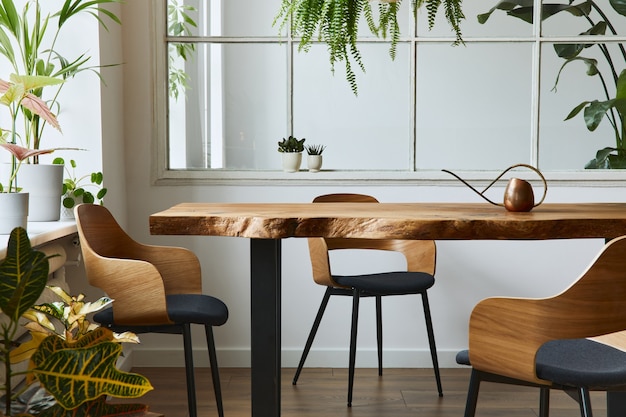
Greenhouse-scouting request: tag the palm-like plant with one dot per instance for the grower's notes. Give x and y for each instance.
(336, 22)
(612, 106)
(28, 40)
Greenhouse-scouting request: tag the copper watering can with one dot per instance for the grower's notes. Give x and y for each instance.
(518, 195)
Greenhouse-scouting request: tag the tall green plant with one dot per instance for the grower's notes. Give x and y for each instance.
(28, 40)
(336, 23)
(612, 82)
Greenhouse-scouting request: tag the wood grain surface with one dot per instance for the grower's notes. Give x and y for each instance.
(460, 221)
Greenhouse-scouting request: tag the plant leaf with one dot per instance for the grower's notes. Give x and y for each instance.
(21, 153)
(98, 407)
(23, 275)
(595, 111)
(619, 6)
(75, 373)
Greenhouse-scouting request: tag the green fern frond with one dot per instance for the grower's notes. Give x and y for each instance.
(454, 15)
(336, 23)
(369, 18)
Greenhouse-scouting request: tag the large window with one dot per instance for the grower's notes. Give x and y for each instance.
(233, 87)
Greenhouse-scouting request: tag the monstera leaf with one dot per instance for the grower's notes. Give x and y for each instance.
(81, 372)
(23, 275)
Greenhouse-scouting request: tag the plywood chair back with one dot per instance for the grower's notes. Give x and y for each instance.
(505, 333)
(420, 255)
(136, 276)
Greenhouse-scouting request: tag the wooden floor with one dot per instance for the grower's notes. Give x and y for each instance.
(322, 392)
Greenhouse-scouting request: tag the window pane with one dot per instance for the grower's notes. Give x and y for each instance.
(368, 132)
(498, 24)
(473, 107)
(569, 144)
(249, 18)
(231, 117)
(566, 23)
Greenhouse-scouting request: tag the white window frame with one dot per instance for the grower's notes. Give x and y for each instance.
(162, 175)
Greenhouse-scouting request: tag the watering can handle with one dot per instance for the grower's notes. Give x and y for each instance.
(481, 193)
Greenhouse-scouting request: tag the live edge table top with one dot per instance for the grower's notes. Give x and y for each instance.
(459, 221)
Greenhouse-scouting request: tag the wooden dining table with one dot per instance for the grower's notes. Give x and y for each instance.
(266, 224)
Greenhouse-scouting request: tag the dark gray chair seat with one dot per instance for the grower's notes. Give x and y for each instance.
(581, 363)
(388, 283)
(181, 308)
(577, 366)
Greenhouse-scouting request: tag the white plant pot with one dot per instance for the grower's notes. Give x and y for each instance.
(44, 183)
(13, 211)
(314, 162)
(292, 161)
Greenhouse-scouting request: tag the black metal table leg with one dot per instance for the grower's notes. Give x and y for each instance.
(616, 404)
(265, 281)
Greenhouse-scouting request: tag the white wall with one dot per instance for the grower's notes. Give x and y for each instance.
(467, 271)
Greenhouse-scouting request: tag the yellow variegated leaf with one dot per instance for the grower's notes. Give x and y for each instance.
(77, 375)
(39, 318)
(126, 337)
(26, 350)
(61, 293)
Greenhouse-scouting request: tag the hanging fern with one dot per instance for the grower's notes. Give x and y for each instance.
(453, 11)
(336, 23)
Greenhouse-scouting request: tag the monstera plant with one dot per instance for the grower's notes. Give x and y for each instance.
(75, 365)
(611, 75)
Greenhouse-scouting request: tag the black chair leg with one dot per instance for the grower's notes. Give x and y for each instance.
(585, 402)
(215, 374)
(356, 295)
(379, 333)
(189, 370)
(309, 341)
(472, 394)
(544, 402)
(431, 342)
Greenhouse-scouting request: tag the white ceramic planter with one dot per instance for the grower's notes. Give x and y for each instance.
(44, 183)
(314, 162)
(13, 211)
(291, 161)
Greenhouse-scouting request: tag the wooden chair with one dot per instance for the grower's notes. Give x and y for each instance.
(416, 279)
(156, 289)
(573, 341)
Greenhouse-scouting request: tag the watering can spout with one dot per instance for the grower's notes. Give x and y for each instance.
(518, 195)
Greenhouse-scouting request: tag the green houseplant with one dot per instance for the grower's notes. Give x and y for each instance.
(75, 364)
(76, 189)
(612, 82)
(336, 23)
(314, 157)
(31, 33)
(28, 40)
(291, 149)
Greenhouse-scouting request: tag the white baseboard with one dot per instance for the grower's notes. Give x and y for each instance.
(240, 358)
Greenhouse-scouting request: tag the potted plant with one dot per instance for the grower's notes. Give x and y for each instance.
(28, 41)
(76, 189)
(612, 104)
(291, 149)
(336, 23)
(314, 157)
(18, 94)
(75, 364)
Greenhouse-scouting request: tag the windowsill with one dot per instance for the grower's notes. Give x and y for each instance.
(41, 233)
(424, 178)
